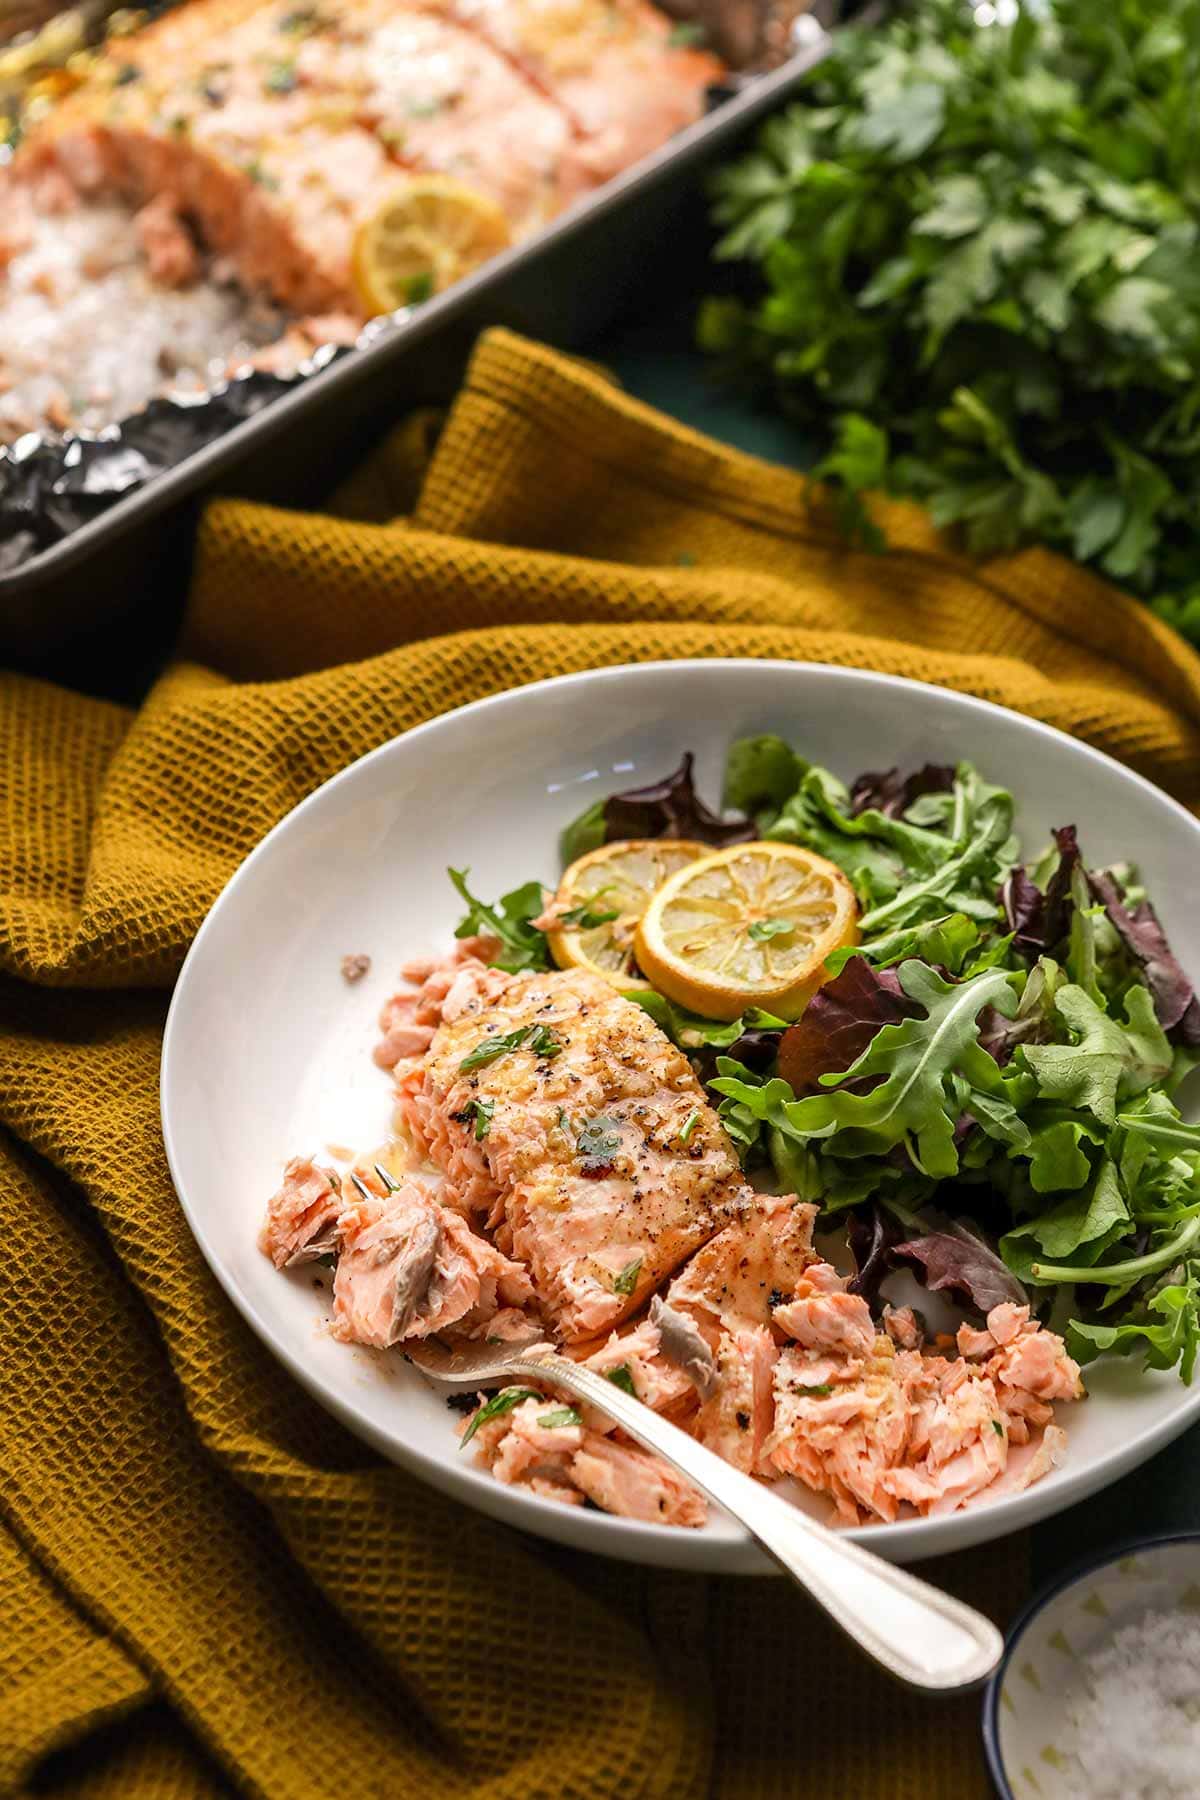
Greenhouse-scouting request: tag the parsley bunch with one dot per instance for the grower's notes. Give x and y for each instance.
(977, 256)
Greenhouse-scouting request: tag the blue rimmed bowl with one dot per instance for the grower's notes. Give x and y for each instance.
(1027, 1698)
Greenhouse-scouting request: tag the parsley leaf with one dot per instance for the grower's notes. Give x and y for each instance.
(625, 1282)
(526, 1037)
(562, 1415)
(764, 929)
(621, 1377)
(500, 1403)
(971, 274)
(522, 945)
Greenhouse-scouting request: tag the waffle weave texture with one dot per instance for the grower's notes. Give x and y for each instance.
(206, 1585)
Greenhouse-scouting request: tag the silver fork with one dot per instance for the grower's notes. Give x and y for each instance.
(924, 1637)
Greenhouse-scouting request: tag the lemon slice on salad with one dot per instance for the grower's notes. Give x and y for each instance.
(428, 232)
(601, 898)
(747, 926)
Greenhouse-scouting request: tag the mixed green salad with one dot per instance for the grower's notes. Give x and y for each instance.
(983, 1091)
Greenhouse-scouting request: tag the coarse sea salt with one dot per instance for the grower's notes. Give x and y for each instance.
(1134, 1719)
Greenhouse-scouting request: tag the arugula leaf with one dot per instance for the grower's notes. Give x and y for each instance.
(1056, 1156)
(914, 1104)
(840, 1021)
(760, 772)
(522, 945)
(1102, 1058)
(500, 1403)
(1169, 1337)
(1080, 1226)
(692, 1032)
(585, 833)
(586, 917)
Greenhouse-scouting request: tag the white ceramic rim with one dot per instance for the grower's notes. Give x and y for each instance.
(907, 1540)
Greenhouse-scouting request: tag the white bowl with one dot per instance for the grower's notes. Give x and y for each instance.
(267, 1050)
(1030, 1695)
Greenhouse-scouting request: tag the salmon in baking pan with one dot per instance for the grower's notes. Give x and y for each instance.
(275, 130)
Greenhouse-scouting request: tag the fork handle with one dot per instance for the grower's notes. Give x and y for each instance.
(924, 1637)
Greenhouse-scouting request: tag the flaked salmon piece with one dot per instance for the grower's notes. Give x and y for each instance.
(903, 1327)
(601, 1164)
(1021, 1356)
(753, 1268)
(410, 1267)
(821, 1319)
(410, 1017)
(521, 1452)
(967, 1448)
(637, 1351)
(842, 1438)
(572, 1462)
(439, 97)
(628, 1481)
(301, 1221)
(171, 252)
(738, 1416)
(612, 67)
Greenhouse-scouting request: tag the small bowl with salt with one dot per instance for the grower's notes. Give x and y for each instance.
(1098, 1695)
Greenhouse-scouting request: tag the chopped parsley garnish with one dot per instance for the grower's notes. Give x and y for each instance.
(626, 1281)
(178, 126)
(689, 1125)
(522, 945)
(481, 1111)
(258, 174)
(562, 1415)
(763, 929)
(418, 288)
(586, 918)
(598, 1143)
(998, 1428)
(620, 1377)
(816, 1393)
(125, 74)
(527, 1037)
(494, 1408)
(280, 78)
(300, 21)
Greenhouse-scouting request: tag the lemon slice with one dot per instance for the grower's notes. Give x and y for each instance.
(748, 926)
(428, 232)
(617, 880)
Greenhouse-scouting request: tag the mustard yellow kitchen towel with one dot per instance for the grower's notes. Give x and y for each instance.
(206, 1586)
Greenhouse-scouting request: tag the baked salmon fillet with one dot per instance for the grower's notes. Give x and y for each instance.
(559, 1110)
(275, 129)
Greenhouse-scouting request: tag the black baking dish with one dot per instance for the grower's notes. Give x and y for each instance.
(289, 440)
